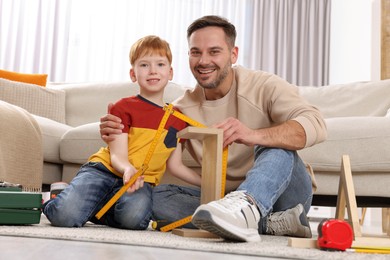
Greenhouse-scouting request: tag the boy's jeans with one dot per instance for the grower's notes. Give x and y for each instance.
(278, 181)
(89, 191)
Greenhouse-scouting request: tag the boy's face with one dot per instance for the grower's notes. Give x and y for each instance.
(152, 72)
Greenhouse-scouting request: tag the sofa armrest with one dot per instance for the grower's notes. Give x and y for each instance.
(37, 100)
(20, 148)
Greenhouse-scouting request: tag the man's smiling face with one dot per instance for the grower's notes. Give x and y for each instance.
(210, 57)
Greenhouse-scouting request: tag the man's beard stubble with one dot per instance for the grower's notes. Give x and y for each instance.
(218, 80)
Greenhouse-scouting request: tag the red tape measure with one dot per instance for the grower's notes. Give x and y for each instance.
(334, 235)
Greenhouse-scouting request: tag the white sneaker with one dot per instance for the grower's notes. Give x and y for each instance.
(234, 217)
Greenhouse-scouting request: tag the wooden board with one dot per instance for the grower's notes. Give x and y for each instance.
(211, 160)
(186, 232)
(211, 185)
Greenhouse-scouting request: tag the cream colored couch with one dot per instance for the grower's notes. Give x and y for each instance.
(20, 148)
(358, 120)
(356, 114)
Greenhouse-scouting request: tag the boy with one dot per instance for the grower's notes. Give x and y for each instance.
(111, 167)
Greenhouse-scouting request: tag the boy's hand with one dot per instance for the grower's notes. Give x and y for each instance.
(110, 125)
(139, 182)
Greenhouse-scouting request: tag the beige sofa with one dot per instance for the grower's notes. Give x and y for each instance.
(358, 120)
(20, 148)
(356, 114)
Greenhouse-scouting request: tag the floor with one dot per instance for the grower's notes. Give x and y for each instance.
(34, 248)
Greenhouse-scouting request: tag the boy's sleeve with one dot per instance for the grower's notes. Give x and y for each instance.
(119, 110)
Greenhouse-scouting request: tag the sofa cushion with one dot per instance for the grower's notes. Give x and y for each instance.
(37, 79)
(87, 102)
(49, 103)
(353, 99)
(79, 143)
(52, 133)
(365, 139)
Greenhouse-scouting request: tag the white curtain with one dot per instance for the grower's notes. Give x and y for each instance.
(291, 39)
(89, 40)
(33, 36)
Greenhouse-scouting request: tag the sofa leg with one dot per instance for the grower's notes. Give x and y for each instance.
(386, 220)
(364, 210)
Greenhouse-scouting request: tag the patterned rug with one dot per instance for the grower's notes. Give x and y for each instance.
(272, 246)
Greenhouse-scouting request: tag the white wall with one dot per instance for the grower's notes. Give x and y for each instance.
(355, 52)
(355, 41)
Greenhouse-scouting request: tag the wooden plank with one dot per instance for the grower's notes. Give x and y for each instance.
(341, 200)
(211, 160)
(378, 242)
(186, 232)
(386, 221)
(211, 185)
(211, 169)
(349, 193)
(385, 39)
(302, 242)
(198, 133)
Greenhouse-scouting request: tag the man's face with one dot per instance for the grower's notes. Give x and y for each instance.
(210, 57)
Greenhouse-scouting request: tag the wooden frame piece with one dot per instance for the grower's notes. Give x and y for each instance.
(346, 199)
(211, 160)
(386, 220)
(211, 170)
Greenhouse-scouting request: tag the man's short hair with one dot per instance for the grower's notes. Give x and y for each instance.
(214, 20)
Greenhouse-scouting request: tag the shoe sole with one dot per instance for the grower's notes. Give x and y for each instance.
(204, 220)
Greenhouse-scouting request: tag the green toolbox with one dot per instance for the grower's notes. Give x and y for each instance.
(18, 207)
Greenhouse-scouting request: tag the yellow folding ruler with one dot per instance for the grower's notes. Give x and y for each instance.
(168, 111)
(105, 208)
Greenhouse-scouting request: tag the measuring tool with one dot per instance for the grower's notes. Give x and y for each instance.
(168, 111)
(176, 224)
(334, 234)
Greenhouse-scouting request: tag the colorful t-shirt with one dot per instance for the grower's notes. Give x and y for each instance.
(141, 119)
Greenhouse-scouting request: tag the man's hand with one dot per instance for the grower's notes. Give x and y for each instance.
(235, 131)
(288, 135)
(110, 125)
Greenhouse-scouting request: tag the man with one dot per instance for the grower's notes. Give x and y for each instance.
(265, 122)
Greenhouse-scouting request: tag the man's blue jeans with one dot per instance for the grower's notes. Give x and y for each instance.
(278, 181)
(89, 191)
